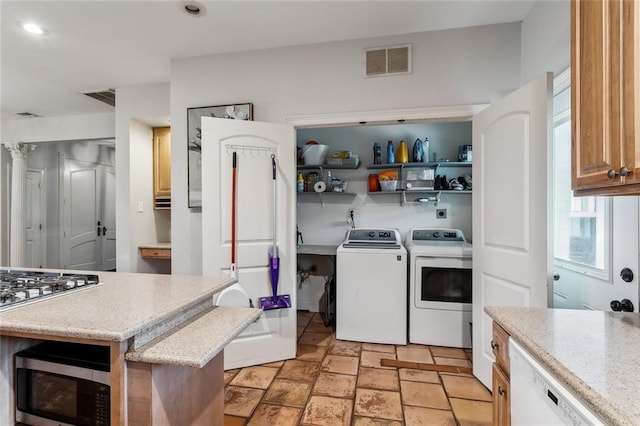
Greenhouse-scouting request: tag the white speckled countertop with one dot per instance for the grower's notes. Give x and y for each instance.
(595, 354)
(124, 305)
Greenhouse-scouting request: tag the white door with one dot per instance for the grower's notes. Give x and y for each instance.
(108, 218)
(79, 242)
(34, 200)
(273, 336)
(511, 219)
(88, 216)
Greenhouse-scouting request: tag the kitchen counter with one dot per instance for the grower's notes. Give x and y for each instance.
(594, 354)
(123, 305)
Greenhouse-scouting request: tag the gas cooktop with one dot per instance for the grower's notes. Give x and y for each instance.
(20, 287)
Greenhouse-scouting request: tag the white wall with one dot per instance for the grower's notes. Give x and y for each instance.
(137, 110)
(546, 39)
(454, 67)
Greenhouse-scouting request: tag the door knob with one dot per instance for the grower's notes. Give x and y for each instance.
(626, 305)
(556, 276)
(627, 275)
(104, 230)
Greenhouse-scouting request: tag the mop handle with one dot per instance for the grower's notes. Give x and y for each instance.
(233, 213)
(275, 200)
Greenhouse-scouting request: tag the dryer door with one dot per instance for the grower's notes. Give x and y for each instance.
(443, 283)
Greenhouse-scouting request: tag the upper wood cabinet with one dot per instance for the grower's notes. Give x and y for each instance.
(162, 168)
(605, 97)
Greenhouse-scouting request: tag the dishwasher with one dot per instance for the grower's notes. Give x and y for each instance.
(539, 399)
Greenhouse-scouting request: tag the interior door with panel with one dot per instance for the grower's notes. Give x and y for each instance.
(108, 218)
(273, 336)
(511, 221)
(34, 220)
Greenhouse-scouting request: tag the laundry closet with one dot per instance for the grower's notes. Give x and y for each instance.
(324, 218)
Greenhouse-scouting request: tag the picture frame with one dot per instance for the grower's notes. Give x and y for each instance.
(194, 141)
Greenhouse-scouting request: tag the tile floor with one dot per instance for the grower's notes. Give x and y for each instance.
(333, 383)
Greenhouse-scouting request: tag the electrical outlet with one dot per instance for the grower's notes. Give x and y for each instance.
(441, 213)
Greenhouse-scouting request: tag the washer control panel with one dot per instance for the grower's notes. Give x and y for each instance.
(373, 235)
(437, 235)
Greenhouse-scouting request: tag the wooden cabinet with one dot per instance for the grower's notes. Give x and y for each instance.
(162, 168)
(500, 377)
(605, 96)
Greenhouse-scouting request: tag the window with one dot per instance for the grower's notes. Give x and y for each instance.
(581, 225)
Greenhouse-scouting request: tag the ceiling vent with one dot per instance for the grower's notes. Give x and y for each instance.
(27, 114)
(392, 60)
(108, 96)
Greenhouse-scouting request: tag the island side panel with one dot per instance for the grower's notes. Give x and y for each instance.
(162, 394)
(8, 347)
(118, 383)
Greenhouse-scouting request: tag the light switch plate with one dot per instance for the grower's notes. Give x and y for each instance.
(140, 207)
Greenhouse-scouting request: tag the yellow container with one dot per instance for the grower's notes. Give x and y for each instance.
(402, 156)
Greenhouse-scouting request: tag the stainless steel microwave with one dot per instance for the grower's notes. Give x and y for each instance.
(61, 383)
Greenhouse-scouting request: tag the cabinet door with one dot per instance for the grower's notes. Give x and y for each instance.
(162, 166)
(501, 398)
(630, 87)
(594, 94)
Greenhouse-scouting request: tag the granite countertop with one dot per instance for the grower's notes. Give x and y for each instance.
(594, 354)
(122, 306)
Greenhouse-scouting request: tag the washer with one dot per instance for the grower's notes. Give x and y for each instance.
(440, 287)
(371, 287)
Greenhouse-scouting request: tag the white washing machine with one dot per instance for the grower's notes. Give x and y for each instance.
(371, 287)
(440, 287)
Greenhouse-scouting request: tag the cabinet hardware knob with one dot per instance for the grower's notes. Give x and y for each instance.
(556, 276)
(611, 174)
(624, 171)
(501, 390)
(494, 345)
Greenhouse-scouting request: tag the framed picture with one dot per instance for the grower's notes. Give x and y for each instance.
(194, 140)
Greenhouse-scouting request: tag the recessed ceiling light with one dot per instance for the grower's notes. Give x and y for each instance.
(32, 28)
(193, 8)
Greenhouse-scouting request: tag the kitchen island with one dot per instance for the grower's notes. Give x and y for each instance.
(155, 326)
(593, 353)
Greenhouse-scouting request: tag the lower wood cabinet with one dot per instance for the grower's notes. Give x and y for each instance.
(500, 377)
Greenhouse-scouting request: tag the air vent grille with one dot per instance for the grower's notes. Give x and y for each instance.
(27, 114)
(392, 60)
(108, 96)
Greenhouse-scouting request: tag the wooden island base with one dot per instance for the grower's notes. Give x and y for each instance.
(175, 395)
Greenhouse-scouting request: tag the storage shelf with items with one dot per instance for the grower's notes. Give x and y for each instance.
(420, 183)
(329, 187)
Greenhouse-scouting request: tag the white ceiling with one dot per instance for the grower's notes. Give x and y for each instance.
(94, 45)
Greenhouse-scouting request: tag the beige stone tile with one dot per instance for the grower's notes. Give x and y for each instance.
(270, 415)
(318, 327)
(304, 317)
(378, 347)
(240, 401)
(287, 392)
(317, 317)
(310, 352)
(465, 387)
(255, 377)
(276, 364)
(300, 331)
(368, 421)
(429, 395)
(378, 404)
(234, 421)
(338, 385)
(448, 352)
(372, 359)
(477, 413)
(420, 416)
(340, 364)
(452, 361)
(378, 378)
(469, 354)
(419, 375)
(228, 376)
(344, 347)
(414, 354)
(305, 371)
(320, 339)
(327, 411)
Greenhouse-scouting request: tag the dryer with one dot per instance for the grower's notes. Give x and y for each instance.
(371, 287)
(440, 287)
